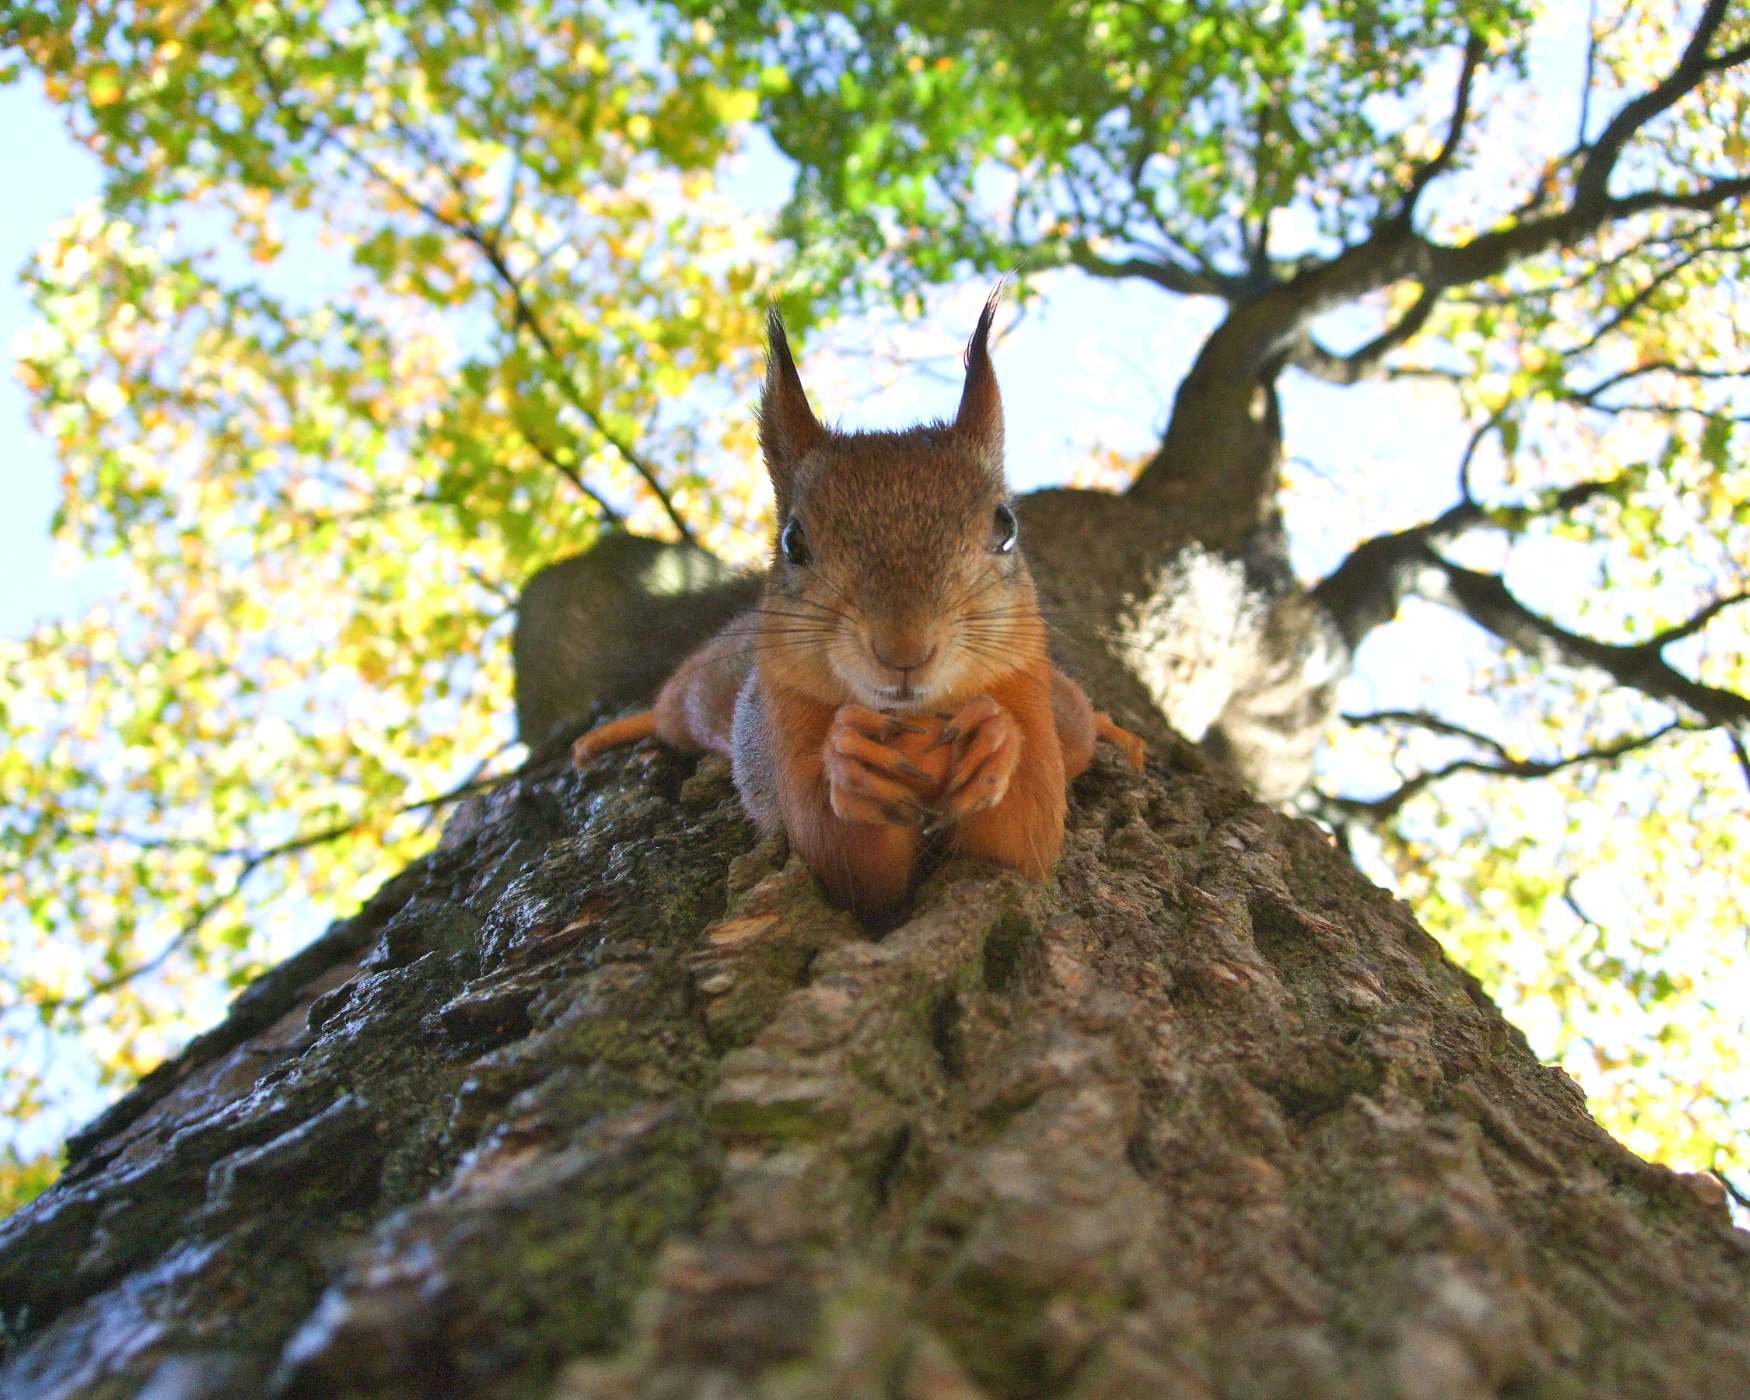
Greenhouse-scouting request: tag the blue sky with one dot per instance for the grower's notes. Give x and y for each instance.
(45, 174)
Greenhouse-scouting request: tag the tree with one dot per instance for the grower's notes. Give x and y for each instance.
(600, 1098)
(322, 466)
(1372, 193)
(562, 1110)
(461, 152)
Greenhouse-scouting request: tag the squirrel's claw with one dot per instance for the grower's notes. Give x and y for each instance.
(878, 726)
(867, 782)
(866, 800)
(989, 748)
(850, 744)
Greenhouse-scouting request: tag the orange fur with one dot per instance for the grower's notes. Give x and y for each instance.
(606, 736)
(1025, 829)
(865, 867)
(1135, 749)
(1076, 731)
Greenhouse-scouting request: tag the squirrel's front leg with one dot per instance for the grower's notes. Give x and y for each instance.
(843, 795)
(1005, 794)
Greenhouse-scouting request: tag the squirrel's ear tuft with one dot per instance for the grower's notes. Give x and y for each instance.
(789, 430)
(980, 419)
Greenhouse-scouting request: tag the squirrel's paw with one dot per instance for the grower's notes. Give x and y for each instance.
(584, 748)
(986, 747)
(870, 782)
(610, 735)
(1133, 747)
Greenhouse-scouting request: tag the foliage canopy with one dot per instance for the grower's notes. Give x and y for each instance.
(386, 306)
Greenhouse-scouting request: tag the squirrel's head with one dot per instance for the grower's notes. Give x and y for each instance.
(897, 573)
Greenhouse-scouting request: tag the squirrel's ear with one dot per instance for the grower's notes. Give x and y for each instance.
(980, 419)
(789, 430)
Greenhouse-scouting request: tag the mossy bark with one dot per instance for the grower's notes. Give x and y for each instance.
(601, 1099)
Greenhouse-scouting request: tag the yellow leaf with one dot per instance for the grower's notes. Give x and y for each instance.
(105, 86)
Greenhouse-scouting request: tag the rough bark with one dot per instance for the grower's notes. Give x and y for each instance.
(609, 624)
(600, 1099)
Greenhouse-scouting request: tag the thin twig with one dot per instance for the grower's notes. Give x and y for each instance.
(490, 249)
(1388, 805)
(1423, 720)
(251, 862)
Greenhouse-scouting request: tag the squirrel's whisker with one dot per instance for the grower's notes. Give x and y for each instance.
(804, 601)
(800, 617)
(1101, 637)
(989, 580)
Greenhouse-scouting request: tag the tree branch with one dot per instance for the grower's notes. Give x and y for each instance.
(1393, 252)
(1673, 240)
(484, 242)
(525, 316)
(1632, 307)
(1422, 719)
(1166, 275)
(252, 860)
(1486, 600)
(1474, 51)
(1665, 410)
(571, 474)
(1586, 396)
(1741, 753)
(1379, 808)
(1365, 590)
(1600, 158)
(1659, 640)
(1364, 363)
(1591, 71)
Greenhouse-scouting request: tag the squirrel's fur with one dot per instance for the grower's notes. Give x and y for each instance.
(897, 611)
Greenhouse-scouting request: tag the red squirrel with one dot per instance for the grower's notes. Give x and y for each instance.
(894, 682)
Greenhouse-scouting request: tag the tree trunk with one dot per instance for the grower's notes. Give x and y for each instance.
(601, 1099)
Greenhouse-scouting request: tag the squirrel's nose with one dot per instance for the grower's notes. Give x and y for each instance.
(904, 653)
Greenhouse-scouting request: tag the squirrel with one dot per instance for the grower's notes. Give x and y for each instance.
(893, 683)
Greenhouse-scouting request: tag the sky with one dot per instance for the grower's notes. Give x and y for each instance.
(46, 175)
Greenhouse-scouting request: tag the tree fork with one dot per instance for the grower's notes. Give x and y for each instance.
(1216, 472)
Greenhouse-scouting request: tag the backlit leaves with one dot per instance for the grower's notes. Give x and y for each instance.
(386, 306)
(383, 309)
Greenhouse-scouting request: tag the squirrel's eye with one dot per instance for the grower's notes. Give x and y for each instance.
(1008, 530)
(794, 543)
